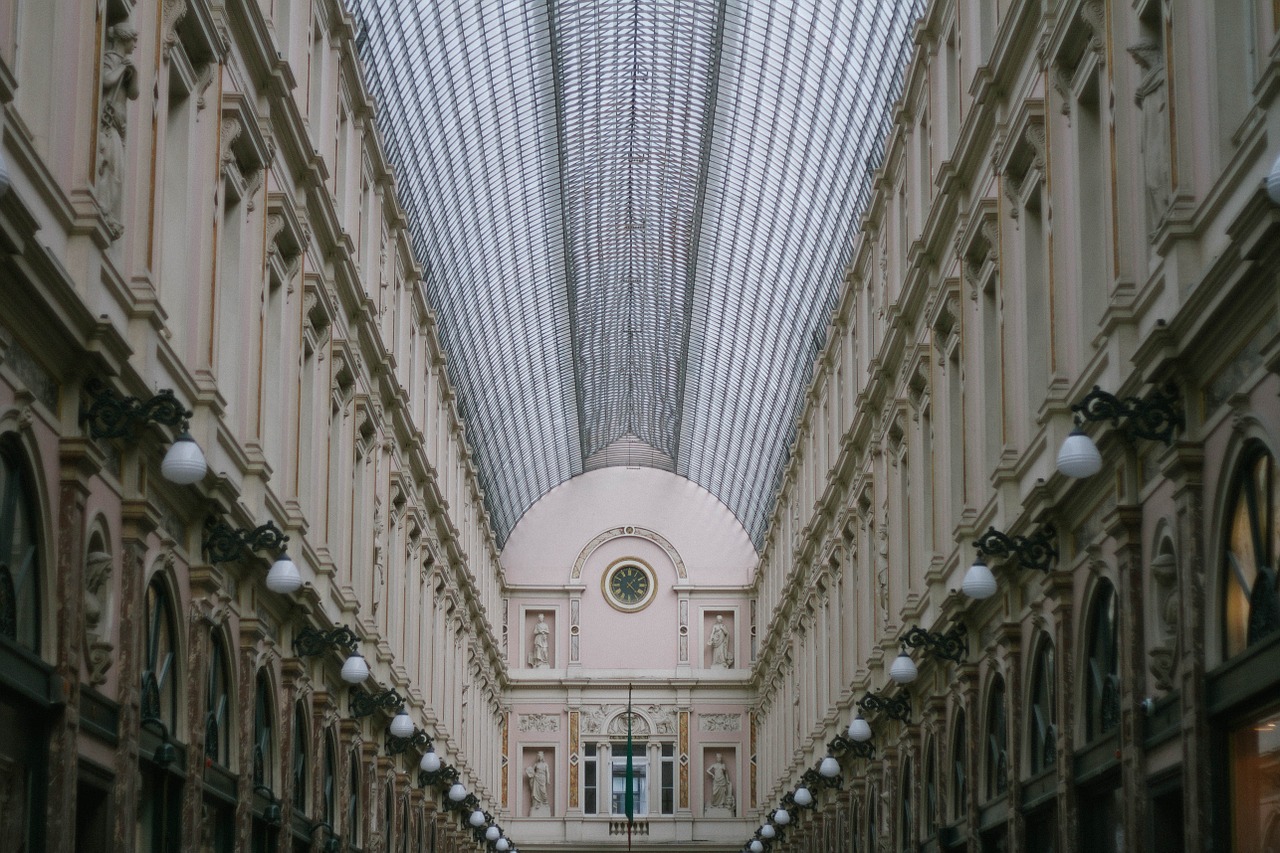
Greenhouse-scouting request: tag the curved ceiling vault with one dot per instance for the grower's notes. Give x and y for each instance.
(633, 217)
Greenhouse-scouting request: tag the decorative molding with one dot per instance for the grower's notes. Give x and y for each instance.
(623, 532)
(719, 722)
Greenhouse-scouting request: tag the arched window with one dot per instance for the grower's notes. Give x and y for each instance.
(1253, 541)
(264, 733)
(906, 818)
(19, 552)
(959, 770)
(1043, 719)
(329, 781)
(217, 732)
(1102, 678)
(159, 681)
(388, 815)
(353, 802)
(873, 835)
(301, 747)
(932, 805)
(996, 742)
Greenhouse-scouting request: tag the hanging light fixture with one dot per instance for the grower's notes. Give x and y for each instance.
(283, 576)
(903, 669)
(355, 669)
(457, 793)
(402, 725)
(859, 729)
(767, 831)
(476, 819)
(502, 845)
(829, 768)
(113, 416)
(782, 817)
(756, 846)
(803, 797)
(430, 762)
(184, 461)
(978, 581)
(1079, 457)
(492, 834)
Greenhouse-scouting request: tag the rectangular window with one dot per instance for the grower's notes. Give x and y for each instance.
(639, 784)
(589, 784)
(668, 778)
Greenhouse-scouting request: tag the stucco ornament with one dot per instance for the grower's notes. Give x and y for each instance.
(97, 649)
(720, 722)
(1152, 98)
(539, 723)
(720, 642)
(119, 86)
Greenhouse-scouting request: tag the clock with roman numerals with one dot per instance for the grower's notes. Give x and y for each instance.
(629, 585)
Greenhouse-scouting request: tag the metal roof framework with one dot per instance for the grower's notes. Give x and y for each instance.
(633, 217)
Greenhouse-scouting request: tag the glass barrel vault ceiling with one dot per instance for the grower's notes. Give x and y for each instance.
(634, 216)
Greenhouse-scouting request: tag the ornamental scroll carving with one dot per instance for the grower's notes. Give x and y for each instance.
(539, 722)
(720, 722)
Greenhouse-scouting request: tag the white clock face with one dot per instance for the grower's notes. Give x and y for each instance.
(629, 585)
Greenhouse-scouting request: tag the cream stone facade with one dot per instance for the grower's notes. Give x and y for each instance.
(195, 199)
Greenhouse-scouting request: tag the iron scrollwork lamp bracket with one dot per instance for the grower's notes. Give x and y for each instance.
(952, 646)
(446, 776)
(399, 745)
(311, 642)
(113, 416)
(225, 543)
(363, 704)
(1154, 418)
(813, 780)
(272, 813)
(841, 746)
(477, 832)
(1032, 552)
(896, 707)
(466, 805)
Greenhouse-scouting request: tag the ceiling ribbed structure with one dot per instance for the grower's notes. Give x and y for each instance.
(634, 218)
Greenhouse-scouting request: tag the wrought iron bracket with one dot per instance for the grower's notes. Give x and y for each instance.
(841, 746)
(1155, 418)
(952, 646)
(272, 813)
(363, 704)
(223, 543)
(113, 416)
(477, 832)
(1032, 552)
(896, 707)
(311, 642)
(813, 780)
(445, 777)
(399, 745)
(466, 805)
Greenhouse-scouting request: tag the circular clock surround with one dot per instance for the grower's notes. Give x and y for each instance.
(629, 584)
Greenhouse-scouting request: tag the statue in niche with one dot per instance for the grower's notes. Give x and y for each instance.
(540, 657)
(98, 649)
(119, 86)
(721, 643)
(721, 786)
(882, 573)
(539, 774)
(1152, 98)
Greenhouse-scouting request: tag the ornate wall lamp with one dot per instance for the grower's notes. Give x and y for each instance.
(311, 642)
(436, 773)
(272, 813)
(952, 646)
(363, 704)
(1032, 552)
(479, 820)
(402, 734)
(225, 543)
(896, 707)
(113, 416)
(1154, 418)
(166, 753)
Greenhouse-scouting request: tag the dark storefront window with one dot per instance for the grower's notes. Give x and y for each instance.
(1102, 682)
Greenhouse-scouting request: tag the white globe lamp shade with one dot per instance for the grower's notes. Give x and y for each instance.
(903, 669)
(781, 817)
(502, 845)
(430, 762)
(859, 730)
(803, 797)
(829, 768)
(457, 793)
(476, 819)
(756, 846)
(492, 833)
(767, 831)
(978, 581)
(1079, 456)
(1273, 182)
(402, 725)
(355, 669)
(184, 463)
(284, 576)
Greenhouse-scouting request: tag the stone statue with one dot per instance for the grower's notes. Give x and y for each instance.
(1152, 97)
(539, 774)
(721, 644)
(882, 573)
(119, 85)
(98, 650)
(540, 657)
(721, 786)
